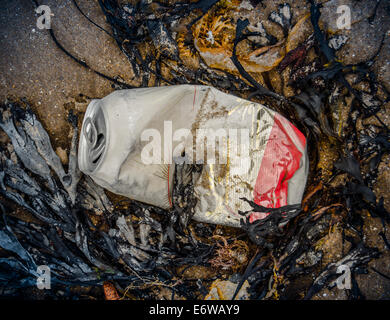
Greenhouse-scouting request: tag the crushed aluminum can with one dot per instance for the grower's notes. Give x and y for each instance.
(131, 139)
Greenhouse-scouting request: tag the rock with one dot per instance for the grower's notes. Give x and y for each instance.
(360, 10)
(224, 290)
(383, 181)
(382, 64)
(62, 154)
(310, 258)
(363, 43)
(198, 272)
(334, 294)
(372, 285)
(365, 35)
(333, 247)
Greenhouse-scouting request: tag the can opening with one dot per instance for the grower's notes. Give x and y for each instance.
(94, 131)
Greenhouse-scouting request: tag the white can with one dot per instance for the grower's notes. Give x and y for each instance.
(131, 139)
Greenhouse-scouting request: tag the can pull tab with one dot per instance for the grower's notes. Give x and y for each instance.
(96, 141)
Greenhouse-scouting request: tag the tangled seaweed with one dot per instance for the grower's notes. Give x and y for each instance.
(141, 244)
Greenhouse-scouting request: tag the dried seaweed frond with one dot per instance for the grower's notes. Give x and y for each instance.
(229, 256)
(214, 35)
(215, 32)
